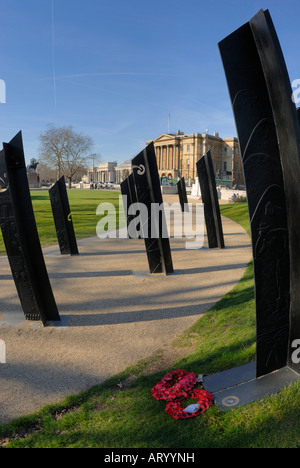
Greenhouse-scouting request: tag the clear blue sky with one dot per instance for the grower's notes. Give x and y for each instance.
(115, 69)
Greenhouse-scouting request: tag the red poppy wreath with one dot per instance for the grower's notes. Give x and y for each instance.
(174, 385)
(204, 401)
(177, 386)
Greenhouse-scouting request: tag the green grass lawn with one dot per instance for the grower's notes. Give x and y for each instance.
(239, 213)
(83, 204)
(114, 415)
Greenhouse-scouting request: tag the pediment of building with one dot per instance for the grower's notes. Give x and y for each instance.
(163, 138)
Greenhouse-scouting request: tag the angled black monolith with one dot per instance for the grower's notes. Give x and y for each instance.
(288, 137)
(269, 135)
(63, 218)
(21, 237)
(128, 191)
(210, 200)
(183, 199)
(148, 192)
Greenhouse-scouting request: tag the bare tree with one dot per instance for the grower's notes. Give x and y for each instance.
(81, 171)
(47, 175)
(65, 150)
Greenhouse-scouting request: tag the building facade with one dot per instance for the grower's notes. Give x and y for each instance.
(123, 171)
(105, 172)
(177, 155)
(108, 172)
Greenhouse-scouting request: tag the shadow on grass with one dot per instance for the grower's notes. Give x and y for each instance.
(106, 417)
(236, 298)
(133, 419)
(153, 430)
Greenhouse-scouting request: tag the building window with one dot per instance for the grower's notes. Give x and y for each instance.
(225, 166)
(188, 148)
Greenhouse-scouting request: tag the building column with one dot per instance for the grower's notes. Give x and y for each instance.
(168, 154)
(158, 153)
(174, 157)
(164, 158)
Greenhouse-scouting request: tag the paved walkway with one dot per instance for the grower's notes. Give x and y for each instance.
(113, 314)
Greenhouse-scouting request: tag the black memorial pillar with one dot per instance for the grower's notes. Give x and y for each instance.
(21, 236)
(210, 200)
(63, 218)
(148, 191)
(269, 137)
(288, 136)
(128, 191)
(182, 195)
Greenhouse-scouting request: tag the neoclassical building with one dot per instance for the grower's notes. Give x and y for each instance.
(123, 171)
(105, 172)
(178, 154)
(109, 172)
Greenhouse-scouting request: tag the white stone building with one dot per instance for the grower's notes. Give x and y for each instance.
(105, 172)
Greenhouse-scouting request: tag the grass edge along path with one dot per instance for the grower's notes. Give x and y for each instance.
(121, 413)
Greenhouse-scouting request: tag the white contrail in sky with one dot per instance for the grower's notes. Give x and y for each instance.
(103, 74)
(85, 75)
(53, 60)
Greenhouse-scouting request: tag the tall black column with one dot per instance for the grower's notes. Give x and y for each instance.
(63, 218)
(210, 200)
(182, 195)
(269, 136)
(146, 179)
(21, 236)
(288, 135)
(128, 191)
